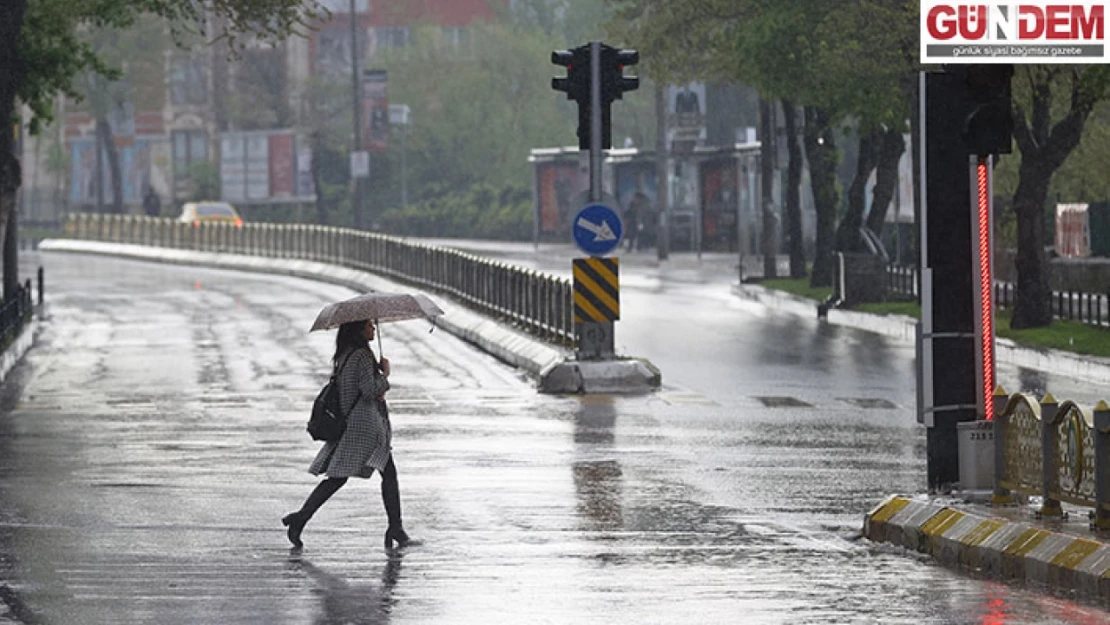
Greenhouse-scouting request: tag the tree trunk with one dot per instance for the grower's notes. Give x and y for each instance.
(794, 243)
(108, 144)
(1033, 303)
(822, 155)
(11, 77)
(767, 167)
(886, 178)
(1044, 148)
(848, 234)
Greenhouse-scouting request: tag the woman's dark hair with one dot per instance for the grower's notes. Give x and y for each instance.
(349, 337)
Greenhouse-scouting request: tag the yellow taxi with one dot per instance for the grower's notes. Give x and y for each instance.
(204, 212)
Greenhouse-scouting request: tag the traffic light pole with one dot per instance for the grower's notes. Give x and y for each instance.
(595, 121)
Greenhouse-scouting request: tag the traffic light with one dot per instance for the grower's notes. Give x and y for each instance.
(989, 122)
(577, 85)
(613, 81)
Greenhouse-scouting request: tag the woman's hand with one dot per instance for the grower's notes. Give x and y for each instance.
(385, 366)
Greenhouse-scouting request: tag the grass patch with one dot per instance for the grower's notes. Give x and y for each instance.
(908, 309)
(1069, 336)
(799, 287)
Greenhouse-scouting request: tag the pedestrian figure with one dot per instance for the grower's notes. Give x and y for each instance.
(151, 204)
(366, 444)
(632, 226)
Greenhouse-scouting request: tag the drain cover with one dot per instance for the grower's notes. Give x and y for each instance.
(869, 402)
(784, 402)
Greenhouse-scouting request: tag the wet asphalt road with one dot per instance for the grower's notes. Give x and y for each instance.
(158, 438)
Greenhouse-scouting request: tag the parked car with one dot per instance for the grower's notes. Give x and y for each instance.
(198, 212)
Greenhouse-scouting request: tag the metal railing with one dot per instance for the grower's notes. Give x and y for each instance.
(537, 303)
(902, 280)
(1057, 451)
(15, 313)
(1081, 306)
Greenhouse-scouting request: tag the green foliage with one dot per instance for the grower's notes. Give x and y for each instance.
(482, 211)
(55, 51)
(205, 178)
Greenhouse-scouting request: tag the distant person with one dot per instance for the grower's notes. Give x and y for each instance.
(151, 204)
(366, 444)
(638, 208)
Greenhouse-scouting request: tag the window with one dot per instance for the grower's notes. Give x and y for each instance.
(392, 37)
(188, 80)
(456, 35)
(189, 147)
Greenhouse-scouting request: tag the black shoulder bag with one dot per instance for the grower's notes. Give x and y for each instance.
(328, 421)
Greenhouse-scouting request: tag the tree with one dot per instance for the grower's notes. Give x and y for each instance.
(42, 51)
(1051, 107)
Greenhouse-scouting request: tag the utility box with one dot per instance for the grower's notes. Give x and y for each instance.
(976, 449)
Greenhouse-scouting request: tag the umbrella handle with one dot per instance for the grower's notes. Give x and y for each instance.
(381, 354)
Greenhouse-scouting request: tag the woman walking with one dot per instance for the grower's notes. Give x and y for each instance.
(365, 446)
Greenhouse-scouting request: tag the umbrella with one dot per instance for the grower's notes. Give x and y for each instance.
(381, 307)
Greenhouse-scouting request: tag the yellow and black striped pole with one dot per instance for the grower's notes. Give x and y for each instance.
(597, 304)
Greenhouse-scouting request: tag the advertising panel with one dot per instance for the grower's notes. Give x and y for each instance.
(636, 193)
(136, 166)
(258, 167)
(375, 110)
(282, 180)
(720, 202)
(1073, 234)
(306, 186)
(686, 116)
(559, 182)
(233, 168)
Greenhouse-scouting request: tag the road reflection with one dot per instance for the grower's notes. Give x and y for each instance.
(345, 603)
(597, 479)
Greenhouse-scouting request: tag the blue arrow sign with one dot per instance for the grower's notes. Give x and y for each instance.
(597, 229)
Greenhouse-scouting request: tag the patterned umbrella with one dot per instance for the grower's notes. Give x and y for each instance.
(381, 307)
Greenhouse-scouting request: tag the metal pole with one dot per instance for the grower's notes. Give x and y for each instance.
(356, 143)
(595, 121)
(404, 178)
(662, 177)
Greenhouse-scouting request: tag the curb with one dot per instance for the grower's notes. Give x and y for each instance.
(999, 549)
(1089, 368)
(544, 361)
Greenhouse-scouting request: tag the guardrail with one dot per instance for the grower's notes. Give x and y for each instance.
(16, 312)
(1057, 451)
(537, 303)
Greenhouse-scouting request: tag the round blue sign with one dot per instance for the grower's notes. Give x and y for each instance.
(597, 229)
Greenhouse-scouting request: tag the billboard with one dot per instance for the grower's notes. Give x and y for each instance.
(375, 110)
(559, 183)
(1073, 233)
(636, 192)
(686, 116)
(142, 164)
(264, 166)
(720, 203)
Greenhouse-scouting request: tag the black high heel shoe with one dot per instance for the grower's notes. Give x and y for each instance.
(295, 522)
(398, 535)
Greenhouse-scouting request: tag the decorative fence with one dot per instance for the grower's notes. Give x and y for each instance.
(534, 302)
(16, 312)
(1058, 451)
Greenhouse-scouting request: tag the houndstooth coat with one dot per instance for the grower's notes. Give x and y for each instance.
(367, 442)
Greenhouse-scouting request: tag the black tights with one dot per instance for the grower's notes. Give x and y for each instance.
(391, 495)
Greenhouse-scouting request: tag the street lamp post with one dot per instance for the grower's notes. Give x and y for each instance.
(399, 116)
(356, 143)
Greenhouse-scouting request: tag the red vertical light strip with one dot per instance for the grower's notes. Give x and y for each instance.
(986, 304)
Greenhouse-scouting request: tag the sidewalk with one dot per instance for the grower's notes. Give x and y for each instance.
(1006, 544)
